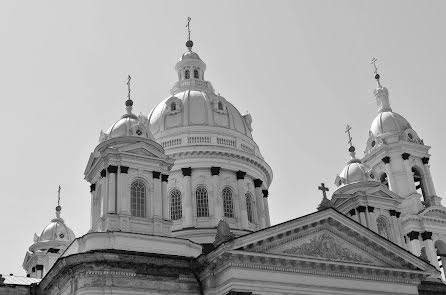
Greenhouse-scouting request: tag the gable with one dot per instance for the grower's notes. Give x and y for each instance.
(141, 151)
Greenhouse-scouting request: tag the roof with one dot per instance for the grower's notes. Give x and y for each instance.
(19, 280)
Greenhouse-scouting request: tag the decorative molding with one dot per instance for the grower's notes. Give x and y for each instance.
(257, 183)
(386, 160)
(265, 193)
(425, 160)
(413, 235)
(187, 171)
(427, 235)
(352, 212)
(124, 169)
(164, 177)
(405, 156)
(361, 209)
(112, 169)
(240, 174)
(103, 173)
(92, 187)
(215, 171)
(370, 209)
(156, 174)
(397, 214)
(392, 212)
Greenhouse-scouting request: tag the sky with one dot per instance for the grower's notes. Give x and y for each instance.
(301, 68)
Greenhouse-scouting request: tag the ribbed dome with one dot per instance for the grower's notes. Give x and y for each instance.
(57, 230)
(355, 171)
(388, 122)
(190, 55)
(128, 125)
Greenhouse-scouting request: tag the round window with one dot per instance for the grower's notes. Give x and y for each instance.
(139, 132)
(372, 176)
(61, 236)
(373, 143)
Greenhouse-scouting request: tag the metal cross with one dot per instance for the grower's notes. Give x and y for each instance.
(128, 85)
(323, 189)
(58, 196)
(347, 130)
(188, 27)
(374, 60)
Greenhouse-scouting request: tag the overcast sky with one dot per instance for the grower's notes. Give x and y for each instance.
(301, 68)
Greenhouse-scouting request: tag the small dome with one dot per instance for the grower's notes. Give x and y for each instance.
(190, 55)
(389, 122)
(128, 125)
(57, 230)
(355, 171)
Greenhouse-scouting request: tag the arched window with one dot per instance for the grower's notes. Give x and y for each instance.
(249, 207)
(220, 106)
(201, 197)
(187, 74)
(138, 199)
(419, 183)
(195, 73)
(384, 180)
(383, 229)
(173, 106)
(176, 211)
(228, 207)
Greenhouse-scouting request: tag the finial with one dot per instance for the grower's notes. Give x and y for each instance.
(377, 76)
(351, 149)
(58, 208)
(325, 203)
(189, 42)
(129, 101)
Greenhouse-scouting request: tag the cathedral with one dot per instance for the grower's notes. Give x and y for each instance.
(179, 205)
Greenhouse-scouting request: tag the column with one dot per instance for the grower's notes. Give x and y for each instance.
(372, 218)
(93, 209)
(241, 192)
(112, 192)
(187, 198)
(432, 198)
(157, 198)
(353, 215)
(259, 203)
(386, 161)
(266, 207)
(124, 192)
(431, 252)
(414, 243)
(395, 227)
(218, 202)
(164, 196)
(103, 196)
(410, 182)
(361, 212)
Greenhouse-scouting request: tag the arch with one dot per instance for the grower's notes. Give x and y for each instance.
(228, 203)
(201, 199)
(249, 207)
(138, 199)
(384, 179)
(196, 75)
(383, 227)
(176, 209)
(186, 74)
(420, 182)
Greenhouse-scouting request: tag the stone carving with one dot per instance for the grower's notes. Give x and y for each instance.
(325, 246)
(224, 233)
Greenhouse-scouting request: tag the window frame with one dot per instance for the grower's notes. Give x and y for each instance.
(138, 201)
(175, 204)
(228, 202)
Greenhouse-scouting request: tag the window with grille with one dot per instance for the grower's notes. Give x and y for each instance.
(249, 207)
(196, 74)
(138, 199)
(176, 211)
(201, 197)
(383, 229)
(187, 74)
(228, 207)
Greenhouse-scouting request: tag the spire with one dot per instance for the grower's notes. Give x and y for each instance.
(58, 207)
(189, 42)
(381, 93)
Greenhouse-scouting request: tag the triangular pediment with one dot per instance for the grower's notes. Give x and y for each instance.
(142, 149)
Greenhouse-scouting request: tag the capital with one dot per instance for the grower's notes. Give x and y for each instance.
(397, 214)
(392, 212)
(370, 209)
(103, 173)
(425, 160)
(265, 193)
(187, 171)
(413, 235)
(156, 174)
(352, 212)
(427, 235)
(164, 177)
(92, 187)
(112, 169)
(257, 183)
(124, 169)
(360, 209)
(405, 156)
(240, 174)
(386, 160)
(215, 171)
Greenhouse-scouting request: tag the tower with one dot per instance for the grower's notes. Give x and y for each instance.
(128, 172)
(219, 172)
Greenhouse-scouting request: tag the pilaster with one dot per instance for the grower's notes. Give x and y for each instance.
(157, 197)
(215, 172)
(165, 202)
(259, 203)
(266, 207)
(187, 200)
(241, 192)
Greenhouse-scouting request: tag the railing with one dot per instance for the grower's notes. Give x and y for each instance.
(192, 83)
(227, 142)
(199, 139)
(171, 142)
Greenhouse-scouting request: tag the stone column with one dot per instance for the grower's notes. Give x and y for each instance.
(390, 180)
(395, 227)
(361, 212)
(241, 192)
(410, 182)
(218, 201)
(124, 200)
(353, 215)
(103, 196)
(259, 203)
(112, 188)
(165, 197)
(157, 198)
(414, 243)
(93, 208)
(187, 199)
(266, 207)
(432, 198)
(372, 218)
(431, 252)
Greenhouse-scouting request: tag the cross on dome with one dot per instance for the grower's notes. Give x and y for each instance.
(129, 101)
(324, 190)
(58, 208)
(189, 42)
(351, 149)
(377, 76)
